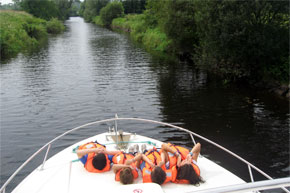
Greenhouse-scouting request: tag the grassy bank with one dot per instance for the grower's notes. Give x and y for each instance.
(152, 38)
(20, 31)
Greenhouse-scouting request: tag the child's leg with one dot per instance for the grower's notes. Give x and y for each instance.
(138, 159)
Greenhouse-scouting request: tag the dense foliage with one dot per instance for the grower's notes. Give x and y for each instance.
(177, 21)
(245, 38)
(75, 8)
(20, 31)
(239, 39)
(47, 9)
(54, 26)
(92, 8)
(111, 11)
(133, 6)
(153, 38)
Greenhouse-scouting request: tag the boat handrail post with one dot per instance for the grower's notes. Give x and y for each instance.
(116, 129)
(192, 138)
(45, 157)
(251, 174)
(69, 177)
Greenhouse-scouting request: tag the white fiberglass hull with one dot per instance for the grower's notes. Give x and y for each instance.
(60, 175)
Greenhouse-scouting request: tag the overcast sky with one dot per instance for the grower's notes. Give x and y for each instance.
(9, 1)
(5, 1)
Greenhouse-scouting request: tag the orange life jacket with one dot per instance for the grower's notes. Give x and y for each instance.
(146, 175)
(89, 164)
(170, 175)
(155, 157)
(183, 181)
(173, 161)
(121, 158)
(181, 150)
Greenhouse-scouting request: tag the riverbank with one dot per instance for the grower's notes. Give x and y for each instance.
(154, 40)
(21, 31)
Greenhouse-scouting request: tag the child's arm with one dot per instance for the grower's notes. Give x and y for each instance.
(166, 148)
(178, 160)
(137, 158)
(163, 159)
(195, 151)
(117, 167)
(81, 153)
(146, 159)
(111, 152)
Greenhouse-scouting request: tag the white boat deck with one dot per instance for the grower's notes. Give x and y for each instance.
(56, 176)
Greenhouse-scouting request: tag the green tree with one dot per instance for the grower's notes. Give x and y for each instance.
(111, 11)
(133, 6)
(154, 12)
(179, 25)
(47, 9)
(92, 8)
(75, 8)
(44, 9)
(64, 7)
(245, 38)
(82, 8)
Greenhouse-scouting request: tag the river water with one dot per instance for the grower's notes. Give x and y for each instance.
(89, 73)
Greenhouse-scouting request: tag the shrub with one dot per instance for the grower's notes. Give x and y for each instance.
(54, 26)
(138, 27)
(156, 40)
(97, 20)
(111, 11)
(152, 37)
(19, 31)
(92, 8)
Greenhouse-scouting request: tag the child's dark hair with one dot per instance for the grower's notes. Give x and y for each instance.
(186, 172)
(158, 175)
(99, 161)
(126, 176)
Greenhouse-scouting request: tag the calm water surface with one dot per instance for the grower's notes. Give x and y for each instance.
(89, 73)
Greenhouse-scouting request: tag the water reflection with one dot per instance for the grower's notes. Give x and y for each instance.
(236, 117)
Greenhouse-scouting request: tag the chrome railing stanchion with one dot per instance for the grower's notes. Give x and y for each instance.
(251, 174)
(44, 160)
(116, 130)
(69, 177)
(192, 139)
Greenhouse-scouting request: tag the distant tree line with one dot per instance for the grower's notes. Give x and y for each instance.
(92, 8)
(46, 9)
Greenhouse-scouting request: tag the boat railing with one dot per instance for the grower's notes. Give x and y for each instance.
(192, 134)
(246, 187)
